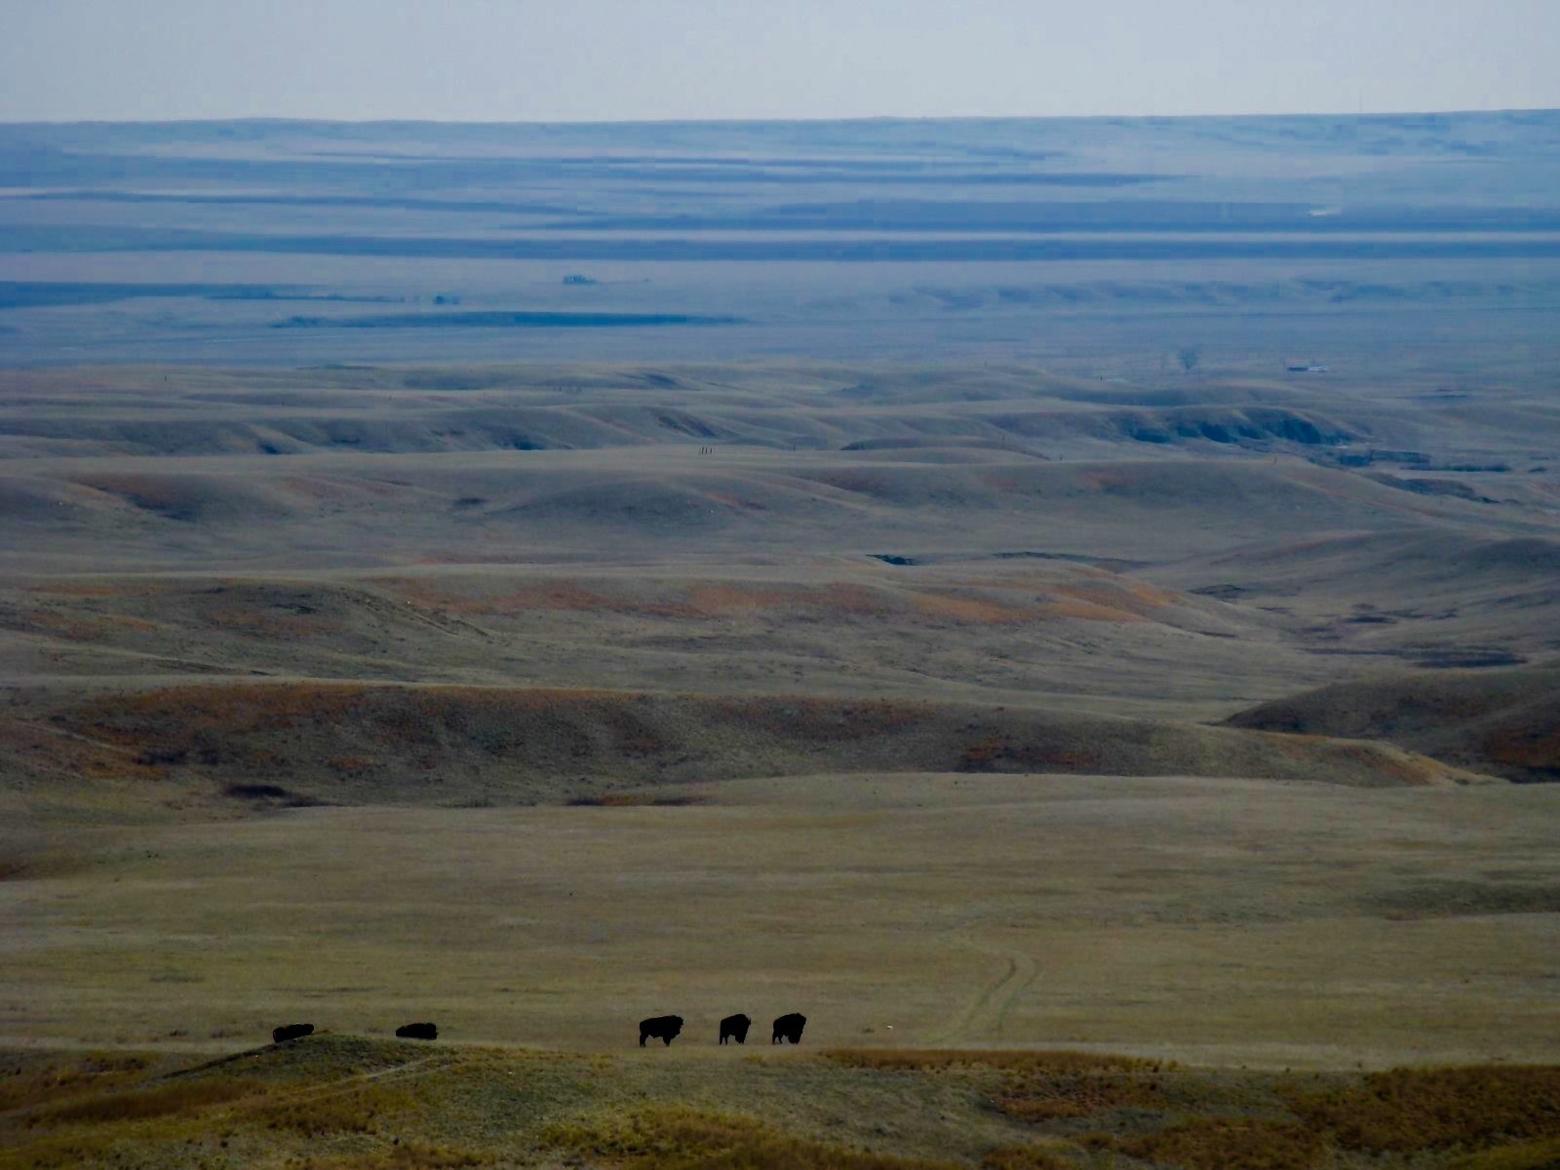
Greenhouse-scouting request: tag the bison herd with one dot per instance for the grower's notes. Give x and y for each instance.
(405, 1032)
(787, 1030)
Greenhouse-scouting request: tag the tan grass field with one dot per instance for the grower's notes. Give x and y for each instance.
(1205, 921)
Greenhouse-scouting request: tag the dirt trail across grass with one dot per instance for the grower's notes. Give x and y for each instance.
(981, 1020)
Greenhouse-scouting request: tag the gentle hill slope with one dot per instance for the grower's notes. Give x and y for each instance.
(357, 1103)
(361, 744)
(1501, 721)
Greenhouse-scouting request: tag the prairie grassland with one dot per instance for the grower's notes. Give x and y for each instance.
(334, 1102)
(1206, 921)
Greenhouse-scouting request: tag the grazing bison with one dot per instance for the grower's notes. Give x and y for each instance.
(789, 1027)
(291, 1032)
(663, 1028)
(417, 1032)
(735, 1028)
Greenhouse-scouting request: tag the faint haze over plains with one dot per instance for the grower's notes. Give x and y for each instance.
(523, 60)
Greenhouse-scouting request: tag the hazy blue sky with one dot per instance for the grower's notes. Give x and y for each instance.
(626, 59)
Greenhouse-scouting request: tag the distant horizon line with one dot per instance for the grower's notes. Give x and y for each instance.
(282, 120)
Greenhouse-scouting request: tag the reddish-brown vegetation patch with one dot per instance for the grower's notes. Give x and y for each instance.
(1418, 1109)
(1024, 1158)
(722, 600)
(72, 627)
(1034, 1086)
(1533, 747)
(974, 610)
(1078, 609)
(77, 589)
(1043, 1095)
(46, 749)
(672, 1137)
(1123, 600)
(1002, 751)
(1210, 1143)
(143, 491)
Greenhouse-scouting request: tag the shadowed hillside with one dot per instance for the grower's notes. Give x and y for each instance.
(1436, 599)
(342, 743)
(1501, 721)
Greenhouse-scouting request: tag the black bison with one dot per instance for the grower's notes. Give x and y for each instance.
(663, 1028)
(291, 1032)
(789, 1027)
(735, 1028)
(417, 1032)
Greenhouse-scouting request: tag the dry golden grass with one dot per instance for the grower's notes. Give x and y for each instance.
(173, 1098)
(1123, 879)
(1219, 1144)
(60, 1153)
(1079, 610)
(23, 1084)
(992, 601)
(973, 610)
(1024, 1158)
(673, 1137)
(1128, 600)
(174, 1122)
(1423, 1109)
(1539, 1155)
(1036, 1086)
(358, 1111)
(323, 1106)
(406, 1156)
(1049, 1096)
(1021, 1061)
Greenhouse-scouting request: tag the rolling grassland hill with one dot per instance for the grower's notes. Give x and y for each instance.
(1114, 772)
(1069, 606)
(1504, 721)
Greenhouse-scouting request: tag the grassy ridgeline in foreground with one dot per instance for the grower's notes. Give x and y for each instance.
(342, 1103)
